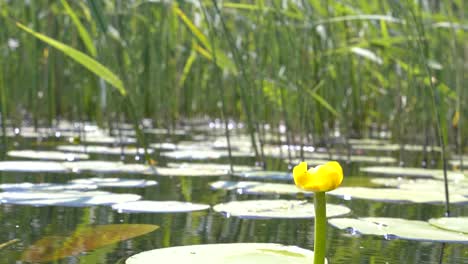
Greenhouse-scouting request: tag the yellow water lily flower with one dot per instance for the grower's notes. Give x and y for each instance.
(322, 178)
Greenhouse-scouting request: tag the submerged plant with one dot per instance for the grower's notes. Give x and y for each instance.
(319, 180)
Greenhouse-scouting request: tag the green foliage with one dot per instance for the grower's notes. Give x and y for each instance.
(340, 64)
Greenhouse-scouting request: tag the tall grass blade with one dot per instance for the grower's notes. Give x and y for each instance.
(84, 35)
(83, 59)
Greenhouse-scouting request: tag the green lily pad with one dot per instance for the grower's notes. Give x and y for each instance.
(312, 158)
(200, 169)
(396, 228)
(104, 139)
(104, 150)
(395, 147)
(367, 141)
(97, 166)
(396, 195)
(413, 172)
(242, 253)
(266, 175)
(202, 154)
(65, 198)
(46, 155)
(85, 238)
(458, 163)
(163, 146)
(455, 224)
(265, 209)
(115, 182)
(427, 185)
(32, 166)
(258, 188)
(27, 186)
(158, 207)
(164, 131)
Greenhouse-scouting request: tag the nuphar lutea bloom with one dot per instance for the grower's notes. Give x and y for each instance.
(322, 178)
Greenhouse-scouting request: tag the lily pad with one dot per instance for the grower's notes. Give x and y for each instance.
(32, 166)
(66, 198)
(164, 131)
(265, 209)
(396, 228)
(367, 141)
(457, 163)
(164, 146)
(355, 158)
(455, 224)
(202, 154)
(158, 207)
(258, 188)
(97, 166)
(427, 185)
(266, 175)
(104, 150)
(395, 147)
(396, 195)
(199, 154)
(115, 182)
(200, 169)
(413, 172)
(85, 238)
(103, 139)
(242, 253)
(27, 186)
(46, 155)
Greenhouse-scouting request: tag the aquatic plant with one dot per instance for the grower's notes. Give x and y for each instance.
(319, 180)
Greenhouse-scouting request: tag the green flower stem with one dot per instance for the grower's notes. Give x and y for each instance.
(320, 232)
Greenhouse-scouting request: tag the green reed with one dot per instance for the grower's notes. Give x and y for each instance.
(318, 66)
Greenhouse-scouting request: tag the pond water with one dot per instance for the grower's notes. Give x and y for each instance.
(29, 223)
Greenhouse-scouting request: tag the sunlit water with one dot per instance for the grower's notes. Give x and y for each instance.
(29, 224)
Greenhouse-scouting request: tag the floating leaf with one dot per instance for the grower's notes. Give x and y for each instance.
(413, 172)
(242, 253)
(426, 185)
(27, 186)
(83, 239)
(200, 169)
(203, 154)
(97, 166)
(367, 141)
(455, 224)
(115, 182)
(251, 187)
(395, 147)
(158, 207)
(265, 209)
(100, 139)
(458, 163)
(46, 155)
(32, 166)
(266, 175)
(65, 198)
(320, 158)
(396, 228)
(396, 195)
(104, 150)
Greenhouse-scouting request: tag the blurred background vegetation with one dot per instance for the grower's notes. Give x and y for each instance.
(323, 70)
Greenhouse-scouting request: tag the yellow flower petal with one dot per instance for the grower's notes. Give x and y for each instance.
(300, 174)
(322, 178)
